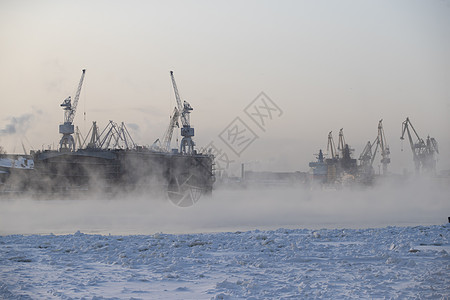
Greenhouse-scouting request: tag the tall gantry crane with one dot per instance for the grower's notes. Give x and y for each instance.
(341, 142)
(331, 147)
(367, 157)
(384, 148)
(423, 152)
(187, 132)
(67, 142)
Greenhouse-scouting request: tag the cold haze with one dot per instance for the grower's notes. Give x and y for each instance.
(288, 72)
(417, 202)
(326, 64)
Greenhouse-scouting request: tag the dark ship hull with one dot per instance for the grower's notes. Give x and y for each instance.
(179, 176)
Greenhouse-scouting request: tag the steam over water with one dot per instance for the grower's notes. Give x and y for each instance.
(407, 203)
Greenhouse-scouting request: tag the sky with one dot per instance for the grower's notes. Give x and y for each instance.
(324, 65)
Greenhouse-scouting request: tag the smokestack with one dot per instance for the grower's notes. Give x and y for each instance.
(243, 174)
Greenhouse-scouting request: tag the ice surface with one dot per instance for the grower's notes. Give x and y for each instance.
(281, 264)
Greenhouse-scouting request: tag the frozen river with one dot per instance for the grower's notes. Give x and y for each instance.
(295, 243)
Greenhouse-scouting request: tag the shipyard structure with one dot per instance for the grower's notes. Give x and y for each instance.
(337, 167)
(110, 161)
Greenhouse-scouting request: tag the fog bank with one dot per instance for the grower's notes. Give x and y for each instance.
(418, 202)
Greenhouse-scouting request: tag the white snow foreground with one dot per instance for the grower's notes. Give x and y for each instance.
(388, 263)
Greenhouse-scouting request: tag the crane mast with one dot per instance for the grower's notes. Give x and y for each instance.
(341, 142)
(331, 147)
(187, 132)
(67, 142)
(384, 148)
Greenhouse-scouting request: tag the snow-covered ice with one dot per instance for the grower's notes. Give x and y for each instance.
(360, 244)
(390, 262)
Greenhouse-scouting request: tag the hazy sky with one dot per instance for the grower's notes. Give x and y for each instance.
(326, 64)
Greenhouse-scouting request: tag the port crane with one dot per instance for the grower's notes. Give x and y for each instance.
(67, 142)
(169, 132)
(367, 157)
(115, 136)
(187, 132)
(341, 142)
(331, 146)
(366, 173)
(423, 152)
(384, 148)
(167, 138)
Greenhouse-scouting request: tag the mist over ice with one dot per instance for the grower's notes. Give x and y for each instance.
(412, 202)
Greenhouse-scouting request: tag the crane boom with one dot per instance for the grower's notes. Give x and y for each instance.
(183, 108)
(405, 128)
(415, 147)
(367, 155)
(423, 153)
(169, 132)
(77, 97)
